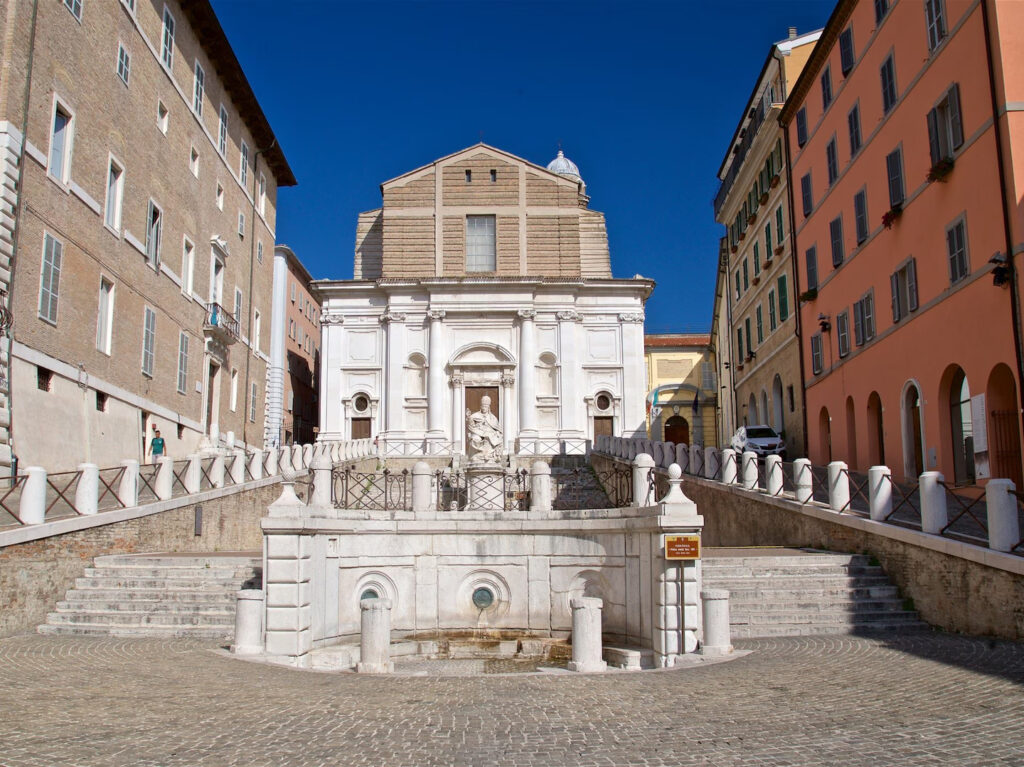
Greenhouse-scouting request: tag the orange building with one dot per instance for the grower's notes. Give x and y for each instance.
(906, 198)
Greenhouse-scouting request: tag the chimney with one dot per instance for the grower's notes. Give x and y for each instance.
(792, 33)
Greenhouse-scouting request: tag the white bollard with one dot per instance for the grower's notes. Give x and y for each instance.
(540, 486)
(880, 492)
(422, 498)
(683, 457)
(296, 458)
(728, 466)
(128, 488)
(321, 495)
(1003, 522)
(375, 637)
(229, 440)
(217, 471)
(657, 452)
(248, 622)
(934, 516)
(773, 475)
(32, 509)
(307, 455)
(335, 453)
(696, 461)
(717, 635)
(643, 488)
(586, 634)
(803, 480)
(668, 454)
(163, 486)
(838, 486)
(284, 460)
(237, 467)
(712, 462)
(194, 473)
(256, 464)
(87, 494)
(748, 470)
(272, 456)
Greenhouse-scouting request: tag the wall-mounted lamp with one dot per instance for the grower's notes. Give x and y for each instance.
(1000, 272)
(824, 323)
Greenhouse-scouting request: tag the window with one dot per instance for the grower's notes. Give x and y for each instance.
(864, 319)
(252, 404)
(860, 215)
(469, 176)
(853, 121)
(291, 401)
(238, 304)
(101, 402)
(259, 252)
(153, 228)
(480, 244)
(129, 4)
(243, 165)
(707, 376)
(233, 399)
(956, 246)
(843, 332)
(826, 88)
(198, 87)
(162, 117)
(801, 126)
(115, 193)
(293, 292)
(935, 18)
(222, 132)
(105, 315)
(739, 344)
(888, 84)
(44, 379)
(241, 224)
(881, 8)
(846, 54)
(182, 361)
(148, 342)
(60, 144)
(220, 196)
(167, 44)
(778, 224)
(835, 231)
(291, 328)
(772, 320)
(49, 279)
(894, 171)
(757, 261)
(768, 241)
(760, 325)
(812, 268)
(75, 6)
(805, 194)
(494, 176)
(750, 346)
(746, 276)
(832, 160)
(256, 324)
(904, 290)
(193, 162)
(188, 266)
(783, 298)
(816, 355)
(124, 64)
(738, 290)
(945, 126)
(261, 199)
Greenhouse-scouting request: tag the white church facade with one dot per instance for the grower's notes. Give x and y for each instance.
(483, 274)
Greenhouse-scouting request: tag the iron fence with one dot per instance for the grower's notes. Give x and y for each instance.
(384, 491)
(508, 491)
(1019, 546)
(617, 483)
(859, 500)
(963, 522)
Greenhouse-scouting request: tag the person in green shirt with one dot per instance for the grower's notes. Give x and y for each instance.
(156, 445)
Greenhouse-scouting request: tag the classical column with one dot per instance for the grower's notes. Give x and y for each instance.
(634, 374)
(435, 376)
(457, 382)
(570, 398)
(275, 376)
(508, 380)
(527, 375)
(394, 334)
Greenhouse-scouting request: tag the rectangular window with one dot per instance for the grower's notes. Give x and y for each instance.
(778, 225)
(843, 332)
(945, 126)
(801, 126)
(49, 279)
(241, 224)
(188, 266)
(193, 161)
(167, 46)
(233, 396)
(44, 379)
(903, 283)
(956, 247)
(469, 176)
(860, 215)
(768, 241)
(293, 292)
(256, 324)
(760, 324)
(772, 319)
(881, 8)
(894, 172)
(75, 6)
(935, 18)
(888, 74)
(115, 193)
(252, 404)
(783, 289)
(101, 402)
(812, 268)
(846, 55)
(222, 131)
(182, 361)
(750, 346)
(826, 89)
(739, 344)
(198, 88)
(805, 194)
(757, 260)
(864, 319)
(219, 199)
(853, 121)
(148, 342)
(262, 196)
(243, 165)
(238, 304)
(162, 117)
(739, 292)
(153, 228)
(259, 252)
(60, 144)
(494, 176)
(746, 276)
(105, 315)
(480, 244)
(124, 64)
(832, 160)
(835, 230)
(816, 355)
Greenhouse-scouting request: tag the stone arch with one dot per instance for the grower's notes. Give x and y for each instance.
(677, 430)
(825, 435)
(482, 353)
(778, 417)
(1002, 405)
(956, 432)
(912, 421)
(876, 431)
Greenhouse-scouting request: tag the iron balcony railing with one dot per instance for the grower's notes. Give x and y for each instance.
(220, 320)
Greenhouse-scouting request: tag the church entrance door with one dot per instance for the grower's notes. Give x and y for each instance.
(603, 426)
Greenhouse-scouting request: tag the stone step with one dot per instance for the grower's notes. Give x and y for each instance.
(813, 605)
(222, 573)
(139, 606)
(823, 618)
(167, 596)
(743, 571)
(780, 629)
(711, 560)
(126, 618)
(196, 584)
(126, 631)
(198, 560)
(761, 594)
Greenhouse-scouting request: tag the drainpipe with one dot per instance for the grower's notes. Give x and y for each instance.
(798, 328)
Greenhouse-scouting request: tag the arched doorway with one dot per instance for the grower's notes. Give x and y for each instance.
(777, 417)
(677, 430)
(961, 428)
(825, 435)
(1003, 424)
(913, 432)
(876, 434)
(851, 434)
(764, 407)
(752, 411)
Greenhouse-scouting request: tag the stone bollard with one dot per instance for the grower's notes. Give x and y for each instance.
(307, 455)
(712, 462)
(1003, 522)
(32, 509)
(422, 498)
(675, 493)
(643, 487)
(128, 488)
(880, 492)
(540, 486)
(668, 454)
(375, 637)
(217, 471)
(321, 495)
(696, 461)
(296, 458)
(272, 455)
(657, 453)
(773, 475)
(87, 494)
(163, 487)
(194, 473)
(838, 486)
(248, 622)
(284, 460)
(229, 440)
(256, 464)
(683, 457)
(586, 633)
(728, 466)
(717, 638)
(803, 480)
(237, 467)
(335, 453)
(934, 516)
(748, 470)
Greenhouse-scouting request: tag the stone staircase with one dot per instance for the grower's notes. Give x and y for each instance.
(791, 592)
(577, 488)
(156, 595)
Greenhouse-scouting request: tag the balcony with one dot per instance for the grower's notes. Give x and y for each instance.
(221, 324)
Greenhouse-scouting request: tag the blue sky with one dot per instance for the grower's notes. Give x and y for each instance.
(642, 96)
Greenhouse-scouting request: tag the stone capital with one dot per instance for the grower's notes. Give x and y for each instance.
(569, 316)
(526, 314)
(332, 319)
(631, 317)
(390, 316)
(508, 379)
(456, 380)
(436, 314)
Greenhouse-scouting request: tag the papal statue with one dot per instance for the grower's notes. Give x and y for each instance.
(485, 438)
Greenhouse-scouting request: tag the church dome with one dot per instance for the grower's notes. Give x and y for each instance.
(563, 166)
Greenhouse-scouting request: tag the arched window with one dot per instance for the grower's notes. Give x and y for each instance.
(1003, 425)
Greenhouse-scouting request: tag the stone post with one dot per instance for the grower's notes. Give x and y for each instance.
(193, 473)
(128, 488)
(712, 463)
(540, 486)
(728, 466)
(164, 484)
(683, 457)
(32, 509)
(838, 486)
(422, 498)
(668, 454)
(696, 461)
(335, 453)
(284, 460)
(321, 496)
(296, 458)
(289, 571)
(256, 464)
(643, 488)
(773, 475)
(238, 467)
(307, 455)
(586, 634)
(217, 471)
(657, 452)
(717, 638)
(527, 374)
(272, 456)
(87, 494)
(248, 622)
(748, 470)
(803, 480)
(934, 516)
(375, 637)
(1003, 522)
(880, 492)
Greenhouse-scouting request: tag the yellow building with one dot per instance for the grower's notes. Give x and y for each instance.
(682, 388)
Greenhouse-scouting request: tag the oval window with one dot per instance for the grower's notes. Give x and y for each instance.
(361, 403)
(603, 401)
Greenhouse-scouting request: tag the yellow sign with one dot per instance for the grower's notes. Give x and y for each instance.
(682, 547)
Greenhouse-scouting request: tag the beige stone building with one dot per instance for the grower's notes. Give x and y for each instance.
(682, 389)
(755, 279)
(137, 236)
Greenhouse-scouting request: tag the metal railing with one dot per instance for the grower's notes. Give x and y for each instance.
(966, 523)
(220, 319)
(507, 491)
(383, 491)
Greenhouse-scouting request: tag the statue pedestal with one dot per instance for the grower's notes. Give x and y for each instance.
(486, 487)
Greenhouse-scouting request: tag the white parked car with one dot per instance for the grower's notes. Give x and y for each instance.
(764, 440)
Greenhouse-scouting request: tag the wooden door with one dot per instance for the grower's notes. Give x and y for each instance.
(360, 428)
(603, 426)
(677, 430)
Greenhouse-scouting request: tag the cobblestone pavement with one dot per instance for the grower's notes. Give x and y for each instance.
(915, 699)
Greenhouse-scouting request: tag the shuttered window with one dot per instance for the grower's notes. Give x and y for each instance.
(903, 283)
(772, 318)
(846, 53)
(888, 74)
(853, 121)
(864, 319)
(182, 362)
(826, 88)
(945, 126)
(783, 288)
(148, 342)
(860, 215)
(935, 18)
(49, 281)
(835, 229)
(801, 127)
(894, 173)
(843, 332)
(812, 268)
(760, 325)
(832, 160)
(956, 246)
(805, 194)
(816, 356)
